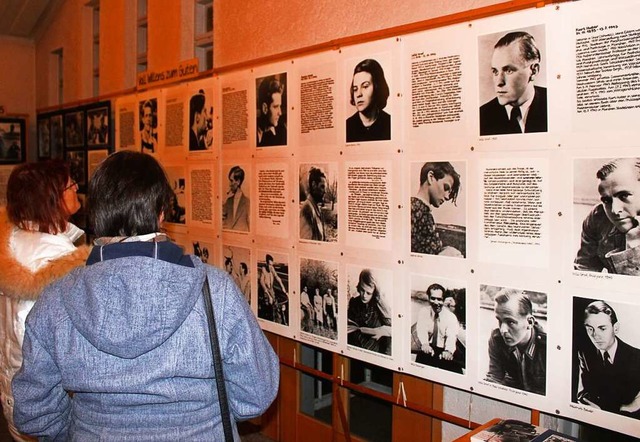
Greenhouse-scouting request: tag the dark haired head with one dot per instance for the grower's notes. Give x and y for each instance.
(601, 307)
(435, 286)
(127, 194)
(244, 268)
(196, 104)
(35, 196)
(528, 48)
(380, 86)
(315, 176)
(440, 170)
(268, 258)
(269, 86)
(237, 173)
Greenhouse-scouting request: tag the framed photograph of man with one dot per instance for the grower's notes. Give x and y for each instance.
(98, 125)
(606, 215)
(12, 140)
(74, 129)
(44, 137)
(273, 287)
(438, 323)
(606, 356)
(318, 196)
(513, 323)
(57, 136)
(512, 83)
(271, 108)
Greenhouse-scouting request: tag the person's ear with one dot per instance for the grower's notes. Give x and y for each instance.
(531, 320)
(265, 108)
(535, 69)
(616, 327)
(431, 178)
(161, 218)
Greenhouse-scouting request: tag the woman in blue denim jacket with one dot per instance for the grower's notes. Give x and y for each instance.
(128, 333)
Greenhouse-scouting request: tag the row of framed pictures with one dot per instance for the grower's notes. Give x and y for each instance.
(79, 128)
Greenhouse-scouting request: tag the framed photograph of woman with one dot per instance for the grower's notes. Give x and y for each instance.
(12, 140)
(44, 137)
(98, 125)
(74, 129)
(368, 96)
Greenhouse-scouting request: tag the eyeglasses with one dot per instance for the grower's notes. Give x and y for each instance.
(72, 185)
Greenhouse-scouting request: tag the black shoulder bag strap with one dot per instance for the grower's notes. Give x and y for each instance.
(217, 363)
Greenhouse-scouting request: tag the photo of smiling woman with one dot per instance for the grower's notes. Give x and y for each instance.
(369, 93)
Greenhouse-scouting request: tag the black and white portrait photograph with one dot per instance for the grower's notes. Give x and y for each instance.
(368, 96)
(236, 262)
(370, 309)
(438, 323)
(606, 356)
(438, 208)
(77, 160)
(606, 215)
(12, 140)
(148, 110)
(318, 196)
(512, 83)
(200, 121)
(236, 208)
(271, 110)
(273, 287)
(44, 138)
(513, 324)
(57, 137)
(319, 297)
(74, 129)
(178, 210)
(98, 126)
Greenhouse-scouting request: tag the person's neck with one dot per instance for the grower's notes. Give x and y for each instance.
(522, 345)
(369, 116)
(527, 95)
(423, 196)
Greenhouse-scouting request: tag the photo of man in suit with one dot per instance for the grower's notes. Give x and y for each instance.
(235, 209)
(519, 105)
(608, 366)
(271, 127)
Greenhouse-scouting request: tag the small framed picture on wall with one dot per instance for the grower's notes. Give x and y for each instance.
(12, 140)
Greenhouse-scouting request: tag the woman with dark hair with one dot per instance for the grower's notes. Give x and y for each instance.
(128, 333)
(369, 317)
(37, 243)
(369, 94)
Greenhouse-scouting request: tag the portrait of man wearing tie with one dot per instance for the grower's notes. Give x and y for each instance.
(437, 330)
(518, 347)
(519, 105)
(608, 366)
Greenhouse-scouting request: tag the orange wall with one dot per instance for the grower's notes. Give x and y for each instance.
(17, 83)
(250, 29)
(117, 46)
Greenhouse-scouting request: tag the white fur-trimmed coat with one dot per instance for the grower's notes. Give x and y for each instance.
(43, 259)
